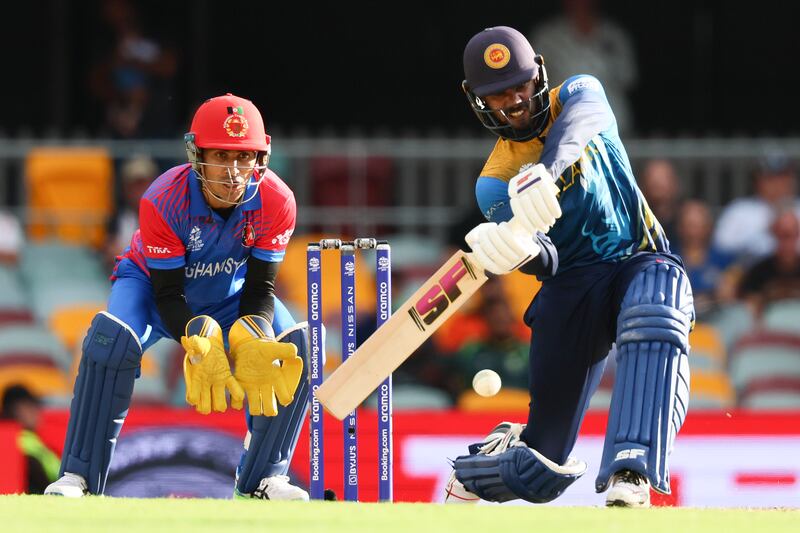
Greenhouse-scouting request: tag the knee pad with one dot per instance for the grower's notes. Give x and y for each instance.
(651, 387)
(109, 363)
(271, 440)
(519, 472)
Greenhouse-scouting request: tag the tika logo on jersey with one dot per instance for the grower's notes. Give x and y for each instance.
(195, 243)
(283, 238)
(248, 235)
(235, 124)
(157, 250)
(436, 299)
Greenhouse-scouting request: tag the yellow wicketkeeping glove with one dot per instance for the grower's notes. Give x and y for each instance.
(206, 368)
(264, 367)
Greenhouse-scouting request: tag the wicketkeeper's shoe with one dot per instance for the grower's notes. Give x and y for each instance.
(69, 485)
(279, 488)
(497, 441)
(628, 489)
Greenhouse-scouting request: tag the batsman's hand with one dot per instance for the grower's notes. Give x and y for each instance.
(206, 368)
(499, 249)
(265, 368)
(534, 199)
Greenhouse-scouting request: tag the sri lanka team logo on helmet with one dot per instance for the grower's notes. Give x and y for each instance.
(496, 55)
(235, 124)
(248, 235)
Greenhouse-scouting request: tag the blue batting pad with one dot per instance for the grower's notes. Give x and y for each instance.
(519, 472)
(101, 397)
(651, 388)
(272, 439)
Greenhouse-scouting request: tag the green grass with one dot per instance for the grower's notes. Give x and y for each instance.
(37, 513)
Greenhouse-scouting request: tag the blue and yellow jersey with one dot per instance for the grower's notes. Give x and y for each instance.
(605, 216)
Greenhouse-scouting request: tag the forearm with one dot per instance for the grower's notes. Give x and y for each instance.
(170, 300)
(258, 294)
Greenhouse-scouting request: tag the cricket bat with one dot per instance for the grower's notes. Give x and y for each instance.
(394, 342)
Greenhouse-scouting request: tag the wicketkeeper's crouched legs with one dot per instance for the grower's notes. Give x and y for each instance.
(651, 389)
(271, 440)
(102, 394)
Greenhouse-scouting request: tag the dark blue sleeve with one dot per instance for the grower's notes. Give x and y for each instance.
(585, 113)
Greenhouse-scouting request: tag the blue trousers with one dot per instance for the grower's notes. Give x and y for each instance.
(574, 321)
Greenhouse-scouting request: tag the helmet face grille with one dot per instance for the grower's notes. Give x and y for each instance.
(539, 105)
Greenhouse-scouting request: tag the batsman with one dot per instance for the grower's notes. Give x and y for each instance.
(580, 223)
(201, 270)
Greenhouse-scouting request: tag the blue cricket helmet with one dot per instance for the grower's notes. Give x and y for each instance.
(497, 59)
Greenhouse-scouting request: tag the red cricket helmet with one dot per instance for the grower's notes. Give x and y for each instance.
(229, 123)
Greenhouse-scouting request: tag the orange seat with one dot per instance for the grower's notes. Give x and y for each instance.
(508, 399)
(42, 380)
(711, 389)
(70, 324)
(69, 194)
(705, 339)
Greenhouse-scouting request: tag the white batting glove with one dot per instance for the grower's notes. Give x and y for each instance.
(500, 250)
(534, 199)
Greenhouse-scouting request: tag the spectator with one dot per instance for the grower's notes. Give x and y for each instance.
(581, 40)
(134, 80)
(743, 228)
(43, 465)
(777, 276)
(662, 190)
(712, 280)
(11, 238)
(136, 175)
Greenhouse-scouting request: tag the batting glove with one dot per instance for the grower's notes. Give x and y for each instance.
(499, 249)
(534, 199)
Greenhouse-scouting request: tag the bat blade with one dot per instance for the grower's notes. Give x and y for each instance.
(394, 342)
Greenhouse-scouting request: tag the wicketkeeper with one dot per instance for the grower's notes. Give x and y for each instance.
(201, 270)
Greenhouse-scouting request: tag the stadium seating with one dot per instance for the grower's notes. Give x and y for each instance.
(69, 193)
(732, 322)
(33, 339)
(70, 323)
(12, 295)
(782, 316)
(707, 349)
(772, 394)
(711, 390)
(152, 387)
(762, 357)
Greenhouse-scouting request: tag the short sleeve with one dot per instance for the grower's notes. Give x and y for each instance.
(161, 247)
(271, 246)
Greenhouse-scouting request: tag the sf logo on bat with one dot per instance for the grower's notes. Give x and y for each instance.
(438, 297)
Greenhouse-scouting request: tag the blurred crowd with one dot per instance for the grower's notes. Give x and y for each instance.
(743, 260)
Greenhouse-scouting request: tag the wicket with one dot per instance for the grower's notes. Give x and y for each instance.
(347, 251)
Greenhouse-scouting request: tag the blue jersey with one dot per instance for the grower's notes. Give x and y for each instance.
(179, 229)
(605, 216)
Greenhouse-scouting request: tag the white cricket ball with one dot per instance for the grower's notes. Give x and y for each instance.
(486, 382)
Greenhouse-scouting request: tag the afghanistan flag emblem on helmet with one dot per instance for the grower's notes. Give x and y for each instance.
(235, 124)
(248, 235)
